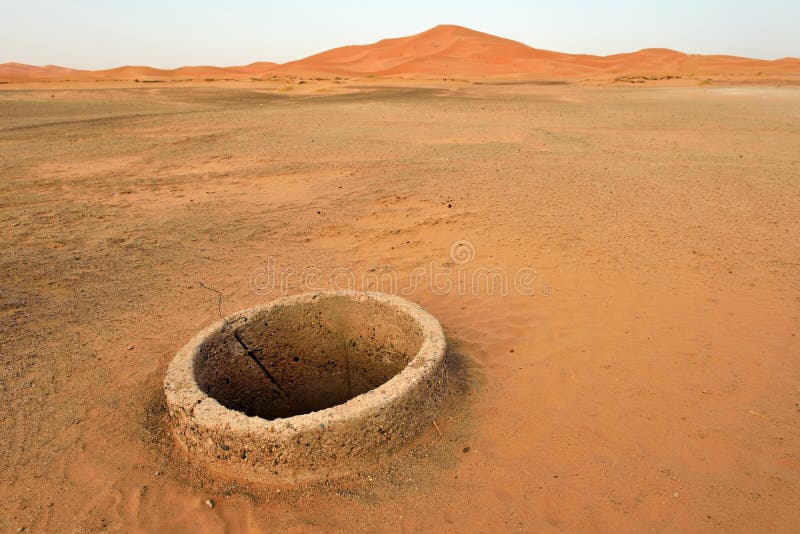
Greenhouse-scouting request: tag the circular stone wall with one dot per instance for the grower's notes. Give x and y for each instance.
(307, 387)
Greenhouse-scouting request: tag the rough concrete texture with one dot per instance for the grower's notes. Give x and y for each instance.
(307, 387)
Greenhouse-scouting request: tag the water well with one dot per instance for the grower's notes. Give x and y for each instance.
(307, 387)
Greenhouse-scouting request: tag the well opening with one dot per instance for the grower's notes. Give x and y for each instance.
(305, 356)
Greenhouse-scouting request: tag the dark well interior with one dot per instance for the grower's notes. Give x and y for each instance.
(305, 357)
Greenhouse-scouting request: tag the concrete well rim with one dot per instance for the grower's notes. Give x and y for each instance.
(183, 393)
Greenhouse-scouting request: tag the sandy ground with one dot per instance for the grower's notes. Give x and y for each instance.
(651, 382)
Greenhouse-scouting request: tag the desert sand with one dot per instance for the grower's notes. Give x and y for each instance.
(649, 382)
(646, 377)
(447, 51)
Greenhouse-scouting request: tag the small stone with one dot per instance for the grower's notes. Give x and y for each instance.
(20, 529)
(676, 494)
(466, 450)
(209, 503)
(130, 347)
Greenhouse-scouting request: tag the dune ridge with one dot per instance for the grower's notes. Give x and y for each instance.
(19, 72)
(443, 51)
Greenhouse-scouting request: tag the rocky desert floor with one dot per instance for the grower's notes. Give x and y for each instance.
(646, 377)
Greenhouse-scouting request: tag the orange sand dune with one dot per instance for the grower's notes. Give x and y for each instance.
(457, 51)
(129, 73)
(206, 72)
(18, 72)
(444, 51)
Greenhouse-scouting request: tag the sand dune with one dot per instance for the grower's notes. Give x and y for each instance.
(444, 51)
(458, 51)
(18, 72)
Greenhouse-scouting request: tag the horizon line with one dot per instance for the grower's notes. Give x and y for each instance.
(276, 63)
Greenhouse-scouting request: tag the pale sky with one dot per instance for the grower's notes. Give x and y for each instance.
(169, 33)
